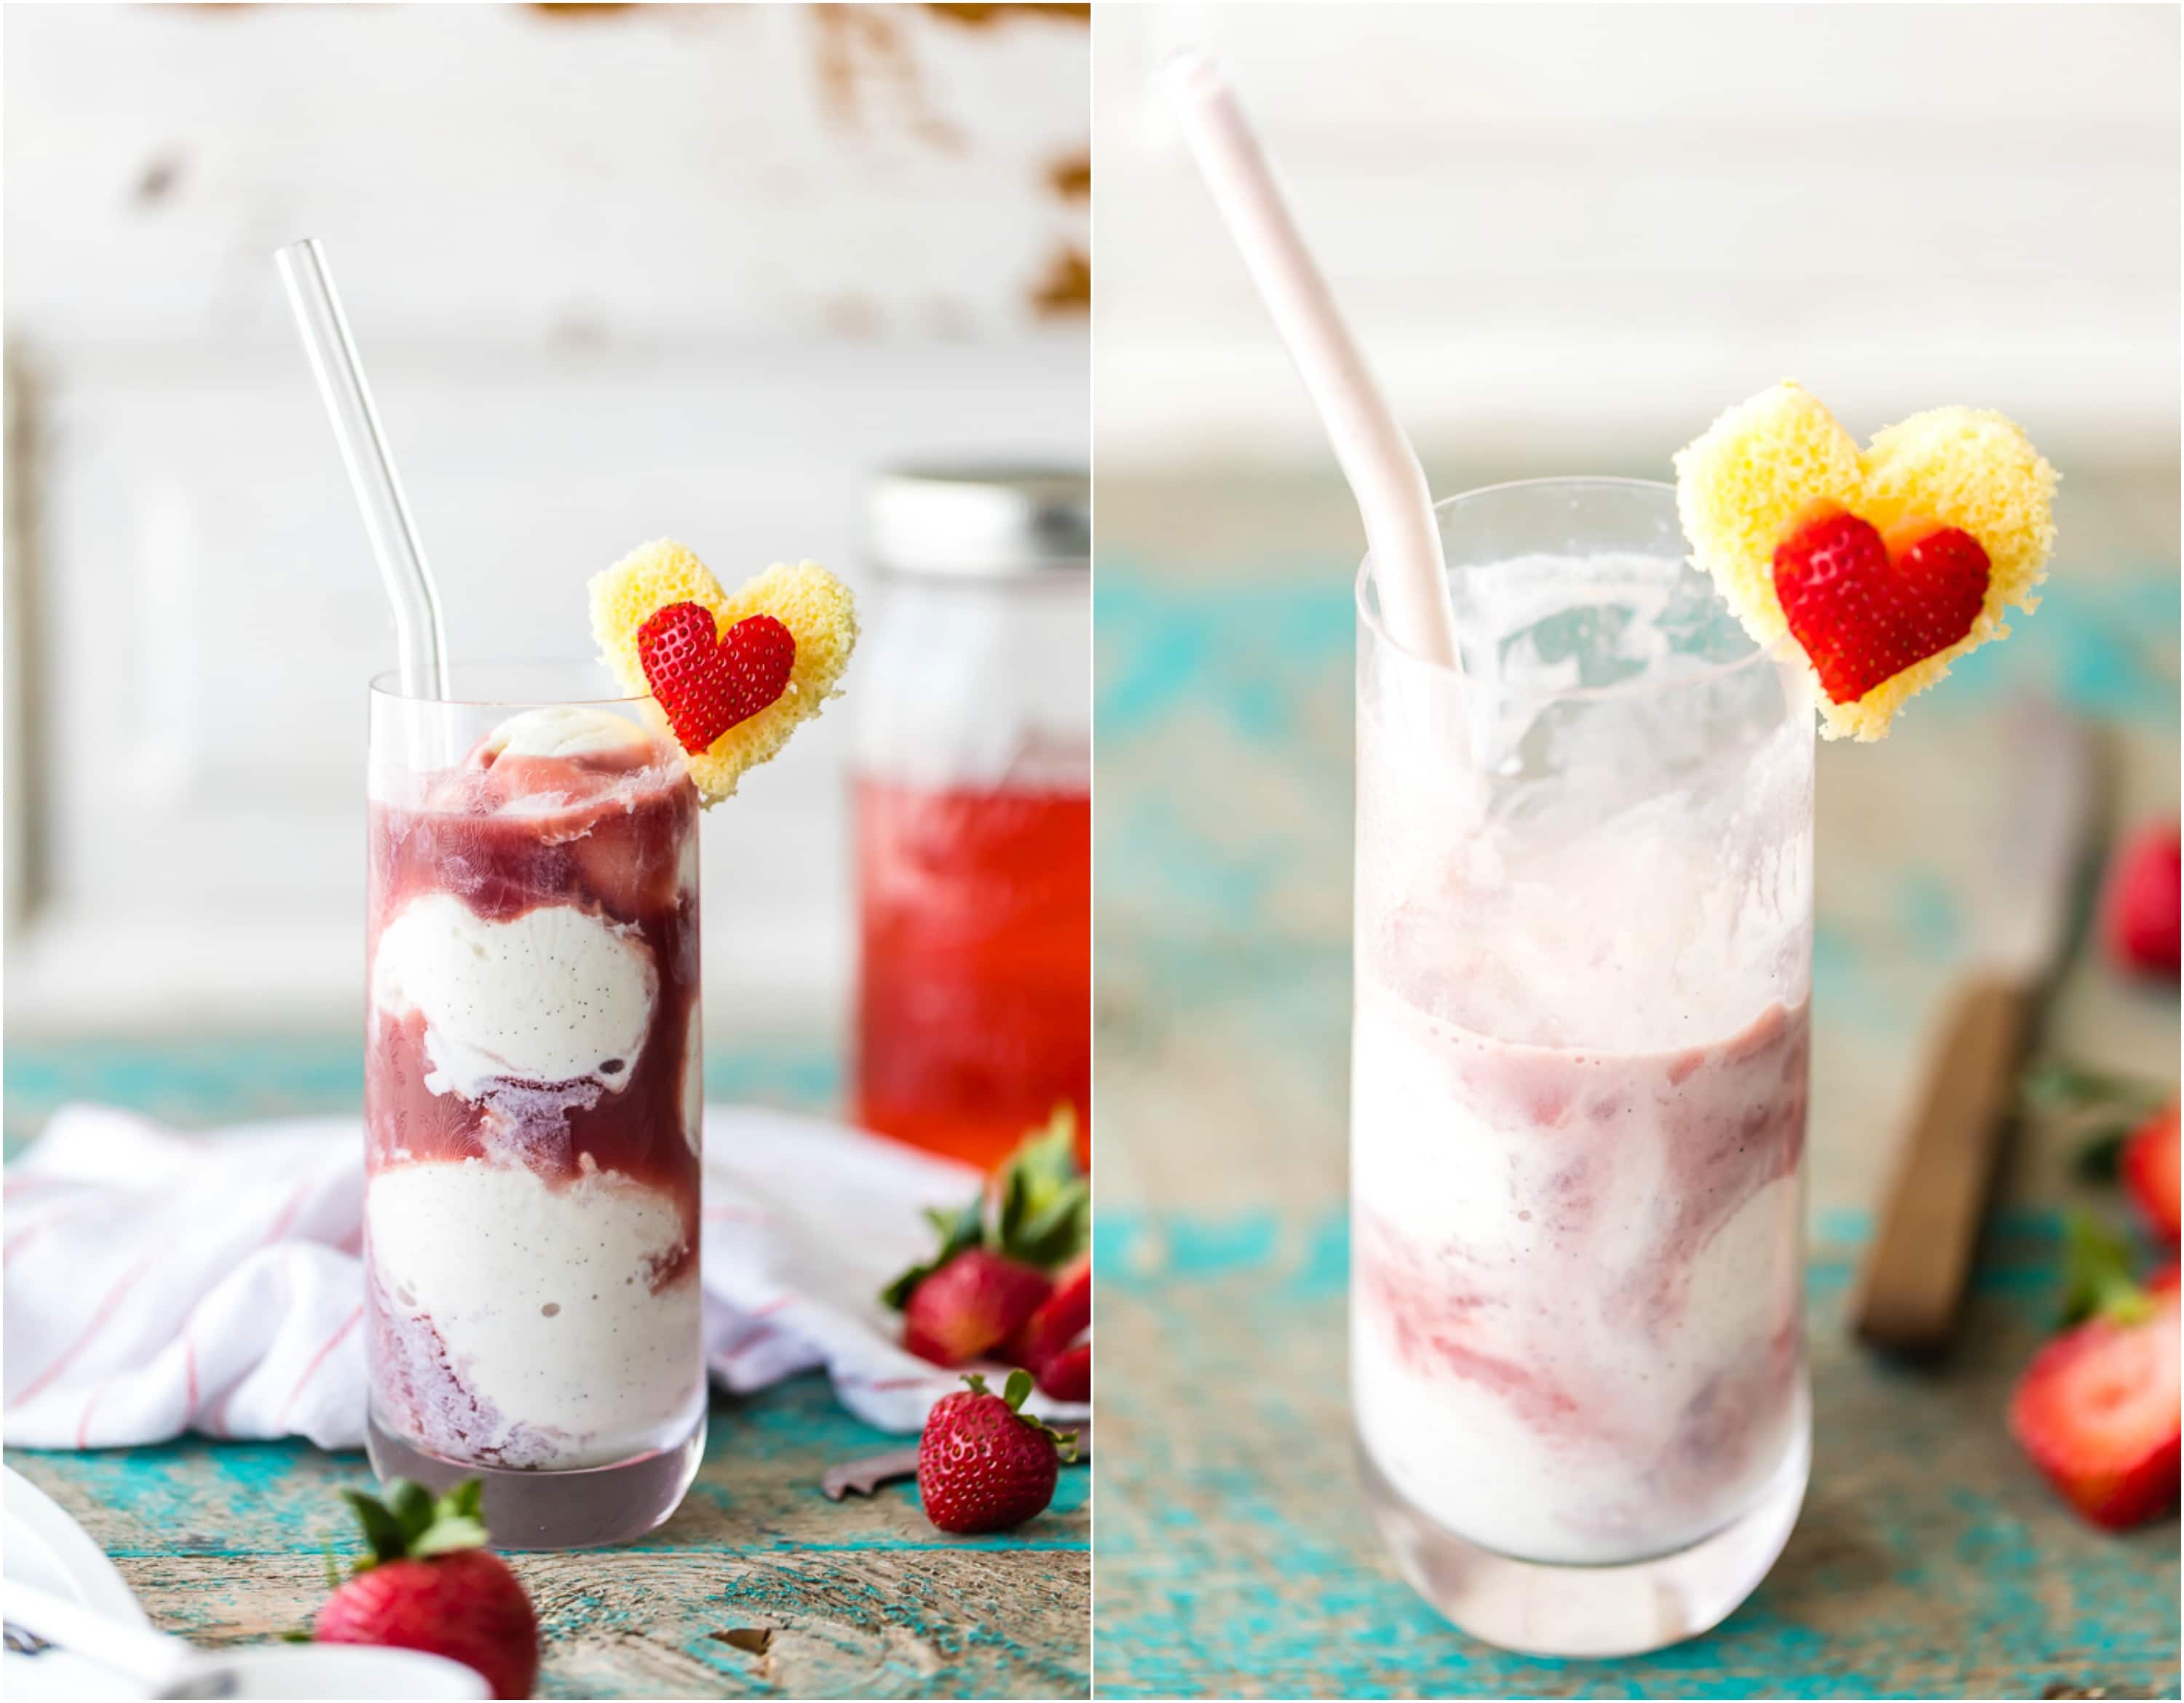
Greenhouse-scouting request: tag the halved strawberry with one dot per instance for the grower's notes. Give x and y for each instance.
(1864, 608)
(2100, 1407)
(1068, 1376)
(2148, 1167)
(1061, 1318)
(708, 683)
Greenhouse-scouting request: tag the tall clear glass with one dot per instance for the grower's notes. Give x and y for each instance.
(1583, 957)
(533, 1099)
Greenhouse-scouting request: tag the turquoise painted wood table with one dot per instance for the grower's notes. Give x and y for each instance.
(758, 1586)
(1235, 1556)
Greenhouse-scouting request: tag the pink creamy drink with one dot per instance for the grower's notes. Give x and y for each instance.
(1584, 1266)
(1578, 1066)
(532, 1099)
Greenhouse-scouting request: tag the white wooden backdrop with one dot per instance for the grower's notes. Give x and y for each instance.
(1574, 232)
(617, 273)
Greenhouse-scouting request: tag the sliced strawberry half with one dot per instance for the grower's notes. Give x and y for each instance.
(2100, 1409)
(2148, 1167)
(1865, 608)
(1061, 1318)
(707, 687)
(1068, 1376)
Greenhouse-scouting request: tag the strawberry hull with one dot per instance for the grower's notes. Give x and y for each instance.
(532, 1100)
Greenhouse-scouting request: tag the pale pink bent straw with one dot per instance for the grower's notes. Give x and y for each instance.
(1377, 459)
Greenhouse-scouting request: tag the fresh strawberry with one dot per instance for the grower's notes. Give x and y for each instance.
(2141, 907)
(1866, 608)
(983, 1464)
(974, 1302)
(2148, 1167)
(1067, 1376)
(707, 687)
(988, 1277)
(1065, 1316)
(429, 1584)
(2100, 1409)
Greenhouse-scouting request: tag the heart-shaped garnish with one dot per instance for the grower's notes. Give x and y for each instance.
(1948, 511)
(1865, 608)
(707, 687)
(791, 631)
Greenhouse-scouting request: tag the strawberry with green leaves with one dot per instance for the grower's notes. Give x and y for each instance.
(430, 1583)
(984, 1464)
(992, 1273)
(2099, 1409)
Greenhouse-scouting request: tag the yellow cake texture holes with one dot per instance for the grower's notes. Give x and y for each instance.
(814, 607)
(1766, 460)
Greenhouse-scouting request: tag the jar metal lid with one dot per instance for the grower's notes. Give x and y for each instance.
(981, 522)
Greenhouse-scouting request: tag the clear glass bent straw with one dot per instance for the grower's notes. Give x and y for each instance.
(421, 643)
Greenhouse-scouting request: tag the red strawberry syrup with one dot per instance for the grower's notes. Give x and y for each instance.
(974, 1010)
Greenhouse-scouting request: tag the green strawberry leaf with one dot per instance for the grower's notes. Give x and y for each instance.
(1038, 1211)
(961, 1230)
(2055, 1085)
(410, 1524)
(1046, 1204)
(2097, 1280)
(383, 1532)
(412, 1506)
(2100, 1157)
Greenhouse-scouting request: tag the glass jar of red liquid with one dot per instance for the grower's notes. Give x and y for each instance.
(973, 811)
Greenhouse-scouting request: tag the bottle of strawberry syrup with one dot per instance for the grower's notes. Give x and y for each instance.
(972, 807)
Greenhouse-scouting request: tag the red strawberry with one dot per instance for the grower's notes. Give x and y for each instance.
(707, 687)
(988, 1276)
(2148, 1167)
(974, 1302)
(2141, 907)
(1068, 1376)
(982, 1465)
(429, 1584)
(1061, 1318)
(1865, 608)
(2098, 1411)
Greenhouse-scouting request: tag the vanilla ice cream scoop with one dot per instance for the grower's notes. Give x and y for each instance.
(556, 995)
(567, 730)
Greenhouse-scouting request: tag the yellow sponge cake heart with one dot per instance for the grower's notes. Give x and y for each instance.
(814, 607)
(1884, 565)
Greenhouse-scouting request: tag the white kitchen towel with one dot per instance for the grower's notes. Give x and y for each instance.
(158, 1282)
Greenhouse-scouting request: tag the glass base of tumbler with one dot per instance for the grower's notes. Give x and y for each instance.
(1542, 1609)
(580, 1509)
